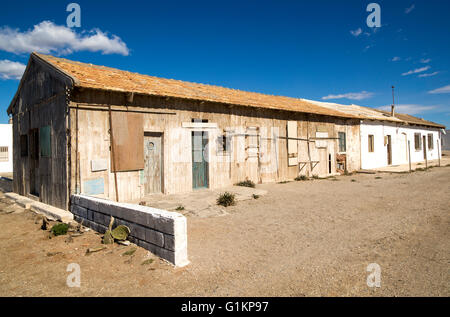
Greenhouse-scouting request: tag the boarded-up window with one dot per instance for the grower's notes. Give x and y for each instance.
(45, 141)
(292, 142)
(127, 142)
(342, 142)
(371, 143)
(23, 145)
(321, 139)
(430, 141)
(4, 154)
(417, 141)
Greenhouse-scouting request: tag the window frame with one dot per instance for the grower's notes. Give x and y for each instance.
(4, 158)
(418, 141)
(430, 140)
(224, 144)
(371, 143)
(344, 141)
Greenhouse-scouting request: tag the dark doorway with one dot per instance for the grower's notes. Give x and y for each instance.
(389, 149)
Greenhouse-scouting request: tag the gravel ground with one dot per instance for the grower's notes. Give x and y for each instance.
(309, 238)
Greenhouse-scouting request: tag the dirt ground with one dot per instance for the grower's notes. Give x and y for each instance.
(307, 238)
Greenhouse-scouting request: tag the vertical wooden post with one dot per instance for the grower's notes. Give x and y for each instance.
(409, 155)
(439, 152)
(111, 142)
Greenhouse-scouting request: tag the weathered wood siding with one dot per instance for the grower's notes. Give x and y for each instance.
(92, 142)
(42, 102)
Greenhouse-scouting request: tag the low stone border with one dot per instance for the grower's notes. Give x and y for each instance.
(161, 232)
(50, 212)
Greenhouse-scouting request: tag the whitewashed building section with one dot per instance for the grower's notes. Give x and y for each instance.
(6, 148)
(384, 144)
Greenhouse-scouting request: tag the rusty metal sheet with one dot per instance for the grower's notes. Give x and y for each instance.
(128, 139)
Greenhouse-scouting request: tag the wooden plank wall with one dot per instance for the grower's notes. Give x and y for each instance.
(93, 142)
(42, 102)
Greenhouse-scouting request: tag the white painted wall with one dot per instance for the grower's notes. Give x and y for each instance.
(6, 140)
(400, 134)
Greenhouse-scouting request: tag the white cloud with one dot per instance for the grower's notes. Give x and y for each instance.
(428, 75)
(356, 32)
(442, 90)
(395, 59)
(351, 95)
(425, 61)
(11, 70)
(417, 70)
(408, 10)
(411, 109)
(47, 37)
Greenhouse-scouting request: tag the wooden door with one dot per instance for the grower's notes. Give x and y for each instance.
(252, 168)
(153, 153)
(34, 161)
(200, 166)
(389, 150)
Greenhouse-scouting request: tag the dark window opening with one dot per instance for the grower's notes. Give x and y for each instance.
(224, 144)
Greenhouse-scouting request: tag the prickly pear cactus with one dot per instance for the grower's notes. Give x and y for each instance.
(107, 238)
(120, 233)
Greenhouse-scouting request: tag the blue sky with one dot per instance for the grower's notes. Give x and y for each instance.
(320, 50)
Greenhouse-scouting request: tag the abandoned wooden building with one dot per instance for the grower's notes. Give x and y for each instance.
(81, 128)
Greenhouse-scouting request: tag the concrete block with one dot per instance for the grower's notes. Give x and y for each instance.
(161, 252)
(101, 218)
(80, 211)
(90, 215)
(154, 237)
(93, 205)
(169, 242)
(137, 231)
(75, 200)
(84, 201)
(165, 225)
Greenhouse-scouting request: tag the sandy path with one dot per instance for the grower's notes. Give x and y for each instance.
(302, 238)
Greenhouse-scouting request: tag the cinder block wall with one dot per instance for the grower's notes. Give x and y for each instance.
(161, 232)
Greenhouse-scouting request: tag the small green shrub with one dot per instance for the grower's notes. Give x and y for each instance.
(353, 180)
(226, 199)
(315, 176)
(255, 196)
(60, 229)
(246, 183)
(301, 178)
(179, 208)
